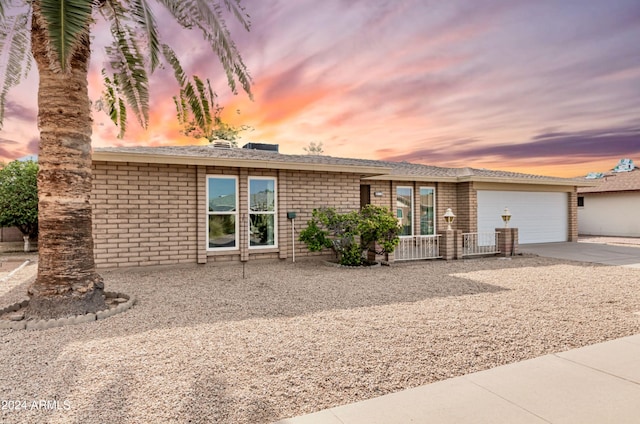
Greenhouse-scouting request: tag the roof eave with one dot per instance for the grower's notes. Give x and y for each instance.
(419, 178)
(514, 180)
(236, 162)
(628, 190)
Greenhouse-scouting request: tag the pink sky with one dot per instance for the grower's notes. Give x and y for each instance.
(543, 87)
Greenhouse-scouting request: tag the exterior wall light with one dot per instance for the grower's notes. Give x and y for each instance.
(506, 216)
(449, 217)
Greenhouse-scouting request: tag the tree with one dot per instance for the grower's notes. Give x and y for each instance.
(19, 198)
(314, 149)
(200, 114)
(57, 34)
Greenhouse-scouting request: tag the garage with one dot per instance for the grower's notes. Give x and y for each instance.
(541, 217)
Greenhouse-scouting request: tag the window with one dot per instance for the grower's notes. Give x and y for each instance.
(427, 204)
(222, 211)
(580, 201)
(404, 208)
(262, 212)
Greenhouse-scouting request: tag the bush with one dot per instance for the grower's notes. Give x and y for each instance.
(19, 197)
(351, 234)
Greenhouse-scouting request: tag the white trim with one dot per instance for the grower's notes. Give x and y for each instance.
(236, 213)
(435, 218)
(274, 213)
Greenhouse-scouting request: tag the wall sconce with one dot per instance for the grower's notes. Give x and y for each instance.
(449, 217)
(506, 216)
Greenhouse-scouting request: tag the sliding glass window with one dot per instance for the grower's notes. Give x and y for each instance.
(262, 212)
(222, 211)
(427, 211)
(404, 210)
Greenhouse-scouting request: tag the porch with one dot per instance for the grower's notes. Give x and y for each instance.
(455, 244)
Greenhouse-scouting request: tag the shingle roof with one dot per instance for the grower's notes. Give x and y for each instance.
(386, 169)
(615, 181)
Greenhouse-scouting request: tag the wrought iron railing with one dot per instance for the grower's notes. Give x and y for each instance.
(479, 243)
(418, 247)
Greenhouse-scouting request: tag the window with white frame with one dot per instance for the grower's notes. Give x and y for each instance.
(427, 211)
(404, 210)
(222, 213)
(262, 212)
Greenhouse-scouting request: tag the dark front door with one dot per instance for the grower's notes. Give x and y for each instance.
(365, 195)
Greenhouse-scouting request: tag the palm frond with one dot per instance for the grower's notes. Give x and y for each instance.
(127, 62)
(112, 103)
(204, 101)
(181, 110)
(143, 17)
(238, 11)
(15, 45)
(181, 11)
(67, 23)
(171, 57)
(189, 94)
(208, 18)
(2, 9)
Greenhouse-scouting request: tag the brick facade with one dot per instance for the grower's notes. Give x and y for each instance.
(147, 214)
(144, 214)
(573, 215)
(156, 214)
(461, 198)
(467, 213)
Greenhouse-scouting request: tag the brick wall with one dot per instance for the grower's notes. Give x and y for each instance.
(144, 214)
(467, 215)
(308, 190)
(573, 215)
(383, 187)
(446, 197)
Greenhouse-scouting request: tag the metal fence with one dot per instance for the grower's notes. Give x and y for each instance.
(418, 247)
(479, 244)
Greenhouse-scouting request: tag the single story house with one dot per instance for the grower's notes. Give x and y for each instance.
(199, 204)
(611, 207)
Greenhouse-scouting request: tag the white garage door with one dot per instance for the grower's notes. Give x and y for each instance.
(540, 217)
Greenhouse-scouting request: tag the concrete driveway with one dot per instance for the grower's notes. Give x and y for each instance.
(628, 256)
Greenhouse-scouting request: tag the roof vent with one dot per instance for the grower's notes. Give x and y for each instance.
(594, 175)
(261, 146)
(624, 165)
(222, 144)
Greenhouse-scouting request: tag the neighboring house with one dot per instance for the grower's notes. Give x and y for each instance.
(167, 205)
(611, 207)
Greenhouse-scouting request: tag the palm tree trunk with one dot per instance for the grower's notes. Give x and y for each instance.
(67, 282)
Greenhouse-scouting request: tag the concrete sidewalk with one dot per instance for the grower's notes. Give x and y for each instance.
(593, 384)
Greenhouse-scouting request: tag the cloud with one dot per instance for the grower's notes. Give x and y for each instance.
(557, 147)
(11, 149)
(19, 112)
(7, 148)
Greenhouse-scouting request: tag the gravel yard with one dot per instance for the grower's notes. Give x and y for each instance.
(205, 345)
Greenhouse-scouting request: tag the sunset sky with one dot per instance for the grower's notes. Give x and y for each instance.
(548, 87)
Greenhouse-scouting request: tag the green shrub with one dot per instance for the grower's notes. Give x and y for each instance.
(349, 235)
